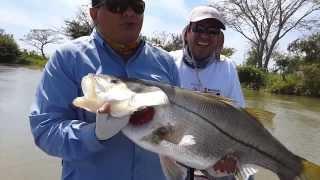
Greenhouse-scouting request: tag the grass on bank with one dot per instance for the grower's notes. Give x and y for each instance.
(31, 59)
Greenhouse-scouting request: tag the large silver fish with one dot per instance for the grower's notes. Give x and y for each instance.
(195, 129)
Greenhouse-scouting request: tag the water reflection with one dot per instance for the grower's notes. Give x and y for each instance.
(20, 159)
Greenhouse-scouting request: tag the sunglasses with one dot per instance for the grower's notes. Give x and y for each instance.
(208, 30)
(120, 6)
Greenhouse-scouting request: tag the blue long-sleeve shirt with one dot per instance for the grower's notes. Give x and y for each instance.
(67, 132)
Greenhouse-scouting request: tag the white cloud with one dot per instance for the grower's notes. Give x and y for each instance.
(19, 18)
(156, 24)
(176, 8)
(165, 15)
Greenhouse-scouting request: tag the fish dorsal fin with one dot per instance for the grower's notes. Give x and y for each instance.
(218, 98)
(264, 117)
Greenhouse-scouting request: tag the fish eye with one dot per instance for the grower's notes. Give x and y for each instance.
(115, 81)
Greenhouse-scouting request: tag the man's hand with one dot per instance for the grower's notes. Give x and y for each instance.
(106, 125)
(227, 165)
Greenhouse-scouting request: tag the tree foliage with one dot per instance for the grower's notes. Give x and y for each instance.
(81, 25)
(9, 49)
(165, 40)
(309, 48)
(311, 80)
(265, 22)
(252, 58)
(251, 77)
(286, 64)
(39, 38)
(227, 51)
(172, 42)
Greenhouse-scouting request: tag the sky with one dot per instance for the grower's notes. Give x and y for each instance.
(18, 17)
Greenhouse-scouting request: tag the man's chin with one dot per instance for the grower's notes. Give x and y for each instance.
(201, 55)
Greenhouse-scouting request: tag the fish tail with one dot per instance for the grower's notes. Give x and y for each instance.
(310, 171)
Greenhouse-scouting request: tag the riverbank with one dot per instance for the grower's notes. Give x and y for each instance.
(27, 59)
(304, 81)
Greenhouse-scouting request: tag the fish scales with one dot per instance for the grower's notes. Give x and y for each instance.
(227, 124)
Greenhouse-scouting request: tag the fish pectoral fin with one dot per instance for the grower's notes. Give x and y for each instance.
(177, 136)
(158, 134)
(87, 104)
(187, 140)
(168, 132)
(264, 117)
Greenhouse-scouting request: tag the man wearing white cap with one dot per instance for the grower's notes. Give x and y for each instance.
(199, 63)
(202, 69)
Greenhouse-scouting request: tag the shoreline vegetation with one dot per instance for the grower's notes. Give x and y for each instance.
(27, 59)
(251, 78)
(303, 82)
(296, 74)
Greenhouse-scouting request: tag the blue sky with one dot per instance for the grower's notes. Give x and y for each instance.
(18, 17)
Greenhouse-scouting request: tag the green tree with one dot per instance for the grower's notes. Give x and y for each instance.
(252, 59)
(263, 23)
(251, 77)
(172, 42)
(9, 49)
(81, 25)
(311, 80)
(286, 64)
(165, 40)
(309, 48)
(227, 51)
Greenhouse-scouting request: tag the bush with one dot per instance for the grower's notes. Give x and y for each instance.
(311, 79)
(9, 50)
(251, 77)
(32, 58)
(292, 85)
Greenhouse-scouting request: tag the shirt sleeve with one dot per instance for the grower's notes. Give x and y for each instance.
(235, 92)
(175, 75)
(53, 119)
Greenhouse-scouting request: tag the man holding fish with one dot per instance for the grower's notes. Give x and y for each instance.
(91, 146)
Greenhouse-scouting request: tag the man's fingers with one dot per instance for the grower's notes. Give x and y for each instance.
(105, 108)
(227, 164)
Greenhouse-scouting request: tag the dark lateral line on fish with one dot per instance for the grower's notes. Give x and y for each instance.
(234, 138)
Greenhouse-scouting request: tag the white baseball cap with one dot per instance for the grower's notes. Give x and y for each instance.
(206, 12)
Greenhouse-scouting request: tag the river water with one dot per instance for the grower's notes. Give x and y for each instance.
(296, 125)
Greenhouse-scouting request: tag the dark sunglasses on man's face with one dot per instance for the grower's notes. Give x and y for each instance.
(120, 6)
(196, 28)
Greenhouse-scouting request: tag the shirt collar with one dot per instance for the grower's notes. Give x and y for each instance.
(96, 35)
